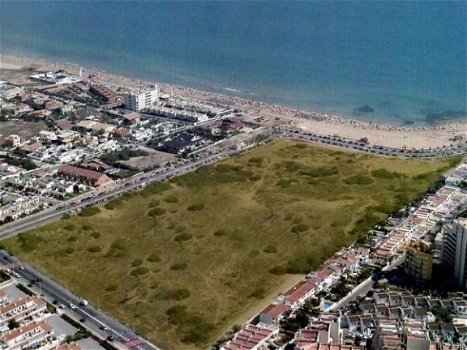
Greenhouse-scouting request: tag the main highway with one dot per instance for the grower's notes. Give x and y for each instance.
(94, 319)
(52, 214)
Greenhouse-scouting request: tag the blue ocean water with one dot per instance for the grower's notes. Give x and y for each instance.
(404, 59)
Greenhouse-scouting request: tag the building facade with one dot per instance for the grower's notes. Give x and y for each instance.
(418, 264)
(139, 100)
(455, 250)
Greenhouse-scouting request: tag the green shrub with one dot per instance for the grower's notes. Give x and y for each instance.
(323, 171)
(94, 249)
(120, 254)
(298, 265)
(220, 233)
(29, 241)
(196, 207)
(114, 203)
(154, 258)
(284, 183)
(154, 203)
(112, 287)
(179, 266)
(69, 227)
(256, 160)
(258, 293)
(96, 234)
(359, 179)
(172, 294)
(277, 270)
(69, 250)
(385, 174)
(199, 334)
(270, 249)
(157, 187)
(86, 227)
(118, 244)
(177, 314)
(136, 262)
(89, 211)
(253, 253)
(171, 199)
(156, 212)
(183, 237)
(139, 271)
(300, 228)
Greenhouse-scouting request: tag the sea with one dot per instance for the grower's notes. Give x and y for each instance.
(399, 62)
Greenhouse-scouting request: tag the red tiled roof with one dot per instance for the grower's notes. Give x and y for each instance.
(300, 290)
(275, 311)
(80, 172)
(132, 116)
(29, 327)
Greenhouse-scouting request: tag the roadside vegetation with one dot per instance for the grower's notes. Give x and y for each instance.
(187, 260)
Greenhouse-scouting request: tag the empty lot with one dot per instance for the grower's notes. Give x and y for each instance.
(182, 261)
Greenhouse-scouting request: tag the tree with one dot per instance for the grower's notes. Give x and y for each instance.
(13, 324)
(75, 189)
(236, 328)
(69, 339)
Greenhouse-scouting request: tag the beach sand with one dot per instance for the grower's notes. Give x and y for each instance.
(439, 135)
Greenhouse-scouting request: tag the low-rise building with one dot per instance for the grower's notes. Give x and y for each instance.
(106, 95)
(31, 307)
(13, 141)
(250, 337)
(85, 175)
(273, 313)
(31, 335)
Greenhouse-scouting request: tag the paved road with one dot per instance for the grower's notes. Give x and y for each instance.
(364, 287)
(388, 151)
(96, 320)
(49, 215)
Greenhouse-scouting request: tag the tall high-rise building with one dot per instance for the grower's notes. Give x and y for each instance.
(137, 100)
(418, 263)
(455, 250)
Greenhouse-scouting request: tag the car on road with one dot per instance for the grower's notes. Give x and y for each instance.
(72, 306)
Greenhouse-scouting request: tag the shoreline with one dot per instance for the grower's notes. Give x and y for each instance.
(440, 134)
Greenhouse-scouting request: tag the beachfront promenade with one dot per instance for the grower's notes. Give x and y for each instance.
(362, 145)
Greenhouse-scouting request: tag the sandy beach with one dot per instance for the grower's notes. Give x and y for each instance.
(12, 68)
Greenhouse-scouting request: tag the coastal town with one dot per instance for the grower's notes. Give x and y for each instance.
(73, 140)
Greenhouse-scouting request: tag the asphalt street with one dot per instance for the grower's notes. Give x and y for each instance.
(96, 320)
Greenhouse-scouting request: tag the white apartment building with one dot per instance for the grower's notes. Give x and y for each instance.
(34, 335)
(25, 308)
(139, 100)
(455, 250)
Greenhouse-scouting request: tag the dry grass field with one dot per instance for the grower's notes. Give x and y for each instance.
(185, 260)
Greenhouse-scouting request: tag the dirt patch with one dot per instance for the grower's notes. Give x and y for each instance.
(154, 160)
